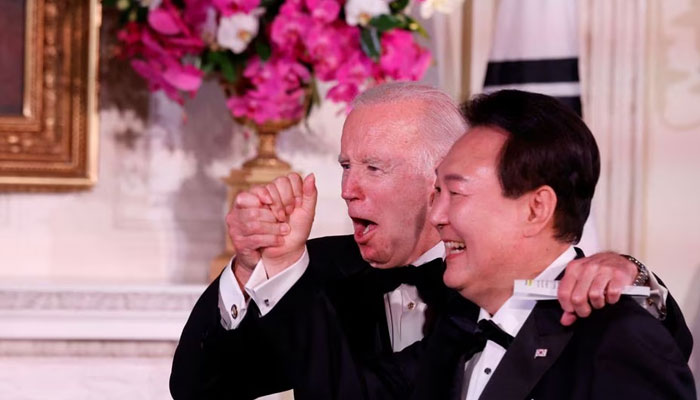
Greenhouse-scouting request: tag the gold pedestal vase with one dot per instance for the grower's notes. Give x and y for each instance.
(262, 169)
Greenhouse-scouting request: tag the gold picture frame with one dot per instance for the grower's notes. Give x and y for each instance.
(49, 141)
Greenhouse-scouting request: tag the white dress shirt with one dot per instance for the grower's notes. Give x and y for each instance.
(510, 317)
(405, 310)
(265, 291)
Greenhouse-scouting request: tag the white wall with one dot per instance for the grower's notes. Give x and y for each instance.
(157, 211)
(671, 202)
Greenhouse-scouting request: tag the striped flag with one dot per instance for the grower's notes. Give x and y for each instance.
(535, 49)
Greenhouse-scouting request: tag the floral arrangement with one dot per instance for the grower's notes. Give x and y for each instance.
(268, 53)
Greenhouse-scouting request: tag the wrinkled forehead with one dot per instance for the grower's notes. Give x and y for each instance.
(379, 129)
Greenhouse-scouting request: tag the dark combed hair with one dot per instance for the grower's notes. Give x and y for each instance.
(548, 144)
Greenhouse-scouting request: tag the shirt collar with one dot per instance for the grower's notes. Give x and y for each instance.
(437, 251)
(513, 313)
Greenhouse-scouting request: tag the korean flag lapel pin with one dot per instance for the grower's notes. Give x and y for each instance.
(540, 353)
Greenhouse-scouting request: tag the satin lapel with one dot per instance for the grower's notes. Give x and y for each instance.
(536, 347)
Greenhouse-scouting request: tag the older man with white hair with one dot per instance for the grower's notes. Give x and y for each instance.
(287, 313)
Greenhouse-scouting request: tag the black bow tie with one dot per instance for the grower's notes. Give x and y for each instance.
(488, 330)
(425, 276)
(475, 335)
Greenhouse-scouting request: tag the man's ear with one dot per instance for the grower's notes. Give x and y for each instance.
(540, 205)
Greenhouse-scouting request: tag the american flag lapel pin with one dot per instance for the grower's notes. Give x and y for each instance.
(540, 353)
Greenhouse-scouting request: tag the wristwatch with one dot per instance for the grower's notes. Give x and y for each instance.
(642, 271)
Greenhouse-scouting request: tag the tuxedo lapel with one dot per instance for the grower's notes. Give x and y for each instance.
(536, 347)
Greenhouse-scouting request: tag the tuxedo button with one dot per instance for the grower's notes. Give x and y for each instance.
(411, 306)
(267, 302)
(234, 311)
(487, 371)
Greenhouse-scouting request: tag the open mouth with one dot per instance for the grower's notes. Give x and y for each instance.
(453, 247)
(363, 228)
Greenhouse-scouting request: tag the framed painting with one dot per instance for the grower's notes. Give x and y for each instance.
(48, 94)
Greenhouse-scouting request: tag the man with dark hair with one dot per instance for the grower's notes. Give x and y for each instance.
(512, 197)
(288, 313)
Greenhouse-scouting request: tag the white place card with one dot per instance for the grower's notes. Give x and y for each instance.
(547, 290)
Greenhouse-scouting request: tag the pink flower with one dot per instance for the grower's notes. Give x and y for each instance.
(169, 76)
(322, 44)
(196, 13)
(357, 69)
(230, 7)
(402, 58)
(351, 76)
(164, 20)
(158, 48)
(323, 10)
(329, 46)
(277, 90)
(287, 31)
(152, 73)
(343, 92)
(184, 77)
(130, 38)
(308, 39)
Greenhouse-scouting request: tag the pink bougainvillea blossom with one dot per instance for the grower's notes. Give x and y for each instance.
(329, 46)
(169, 78)
(287, 32)
(402, 58)
(277, 91)
(229, 7)
(180, 41)
(323, 10)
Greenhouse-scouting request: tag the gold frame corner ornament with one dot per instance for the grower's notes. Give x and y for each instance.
(53, 144)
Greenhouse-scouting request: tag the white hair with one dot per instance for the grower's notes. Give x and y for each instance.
(439, 121)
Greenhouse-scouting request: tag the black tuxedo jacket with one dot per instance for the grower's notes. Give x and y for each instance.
(327, 338)
(619, 352)
(331, 320)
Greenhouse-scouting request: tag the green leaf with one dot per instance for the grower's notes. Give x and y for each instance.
(207, 68)
(369, 39)
(315, 100)
(415, 26)
(385, 22)
(263, 49)
(221, 60)
(398, 5)
(228, 70)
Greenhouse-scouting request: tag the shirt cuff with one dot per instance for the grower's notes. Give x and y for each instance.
(656, 302)
(232, 302)
(266, 292)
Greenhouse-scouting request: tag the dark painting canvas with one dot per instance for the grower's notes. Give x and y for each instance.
(12, 31)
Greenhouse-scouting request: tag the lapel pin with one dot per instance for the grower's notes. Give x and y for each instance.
(540, 353)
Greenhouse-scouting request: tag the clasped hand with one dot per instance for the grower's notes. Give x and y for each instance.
(272, 222)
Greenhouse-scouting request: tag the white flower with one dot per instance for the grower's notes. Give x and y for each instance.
(428, 7)
(361, 11)
(209, 27)
(236, 31)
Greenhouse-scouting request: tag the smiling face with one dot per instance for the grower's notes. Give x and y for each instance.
(480, 227)
(386, 184)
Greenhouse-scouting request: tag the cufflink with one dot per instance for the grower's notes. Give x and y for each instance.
(234, 311)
